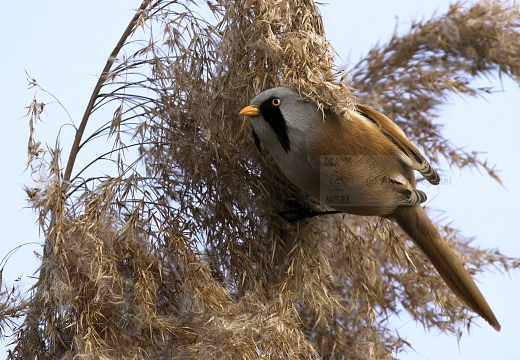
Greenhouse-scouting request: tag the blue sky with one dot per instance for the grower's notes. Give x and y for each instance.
(64, 45)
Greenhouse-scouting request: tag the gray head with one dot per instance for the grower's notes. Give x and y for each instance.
(280, 117)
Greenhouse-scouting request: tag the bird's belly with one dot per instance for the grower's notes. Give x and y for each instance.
(302, 172)
(335, 186)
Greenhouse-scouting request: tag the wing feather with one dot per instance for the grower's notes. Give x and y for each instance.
(415, 159)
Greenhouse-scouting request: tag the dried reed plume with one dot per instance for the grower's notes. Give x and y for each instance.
(167, 243)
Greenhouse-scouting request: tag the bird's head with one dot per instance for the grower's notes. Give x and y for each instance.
(280, 117)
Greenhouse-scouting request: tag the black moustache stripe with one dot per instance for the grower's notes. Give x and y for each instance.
(274, 117)
(257, 141)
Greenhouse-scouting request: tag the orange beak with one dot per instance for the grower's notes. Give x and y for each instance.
(250, 111)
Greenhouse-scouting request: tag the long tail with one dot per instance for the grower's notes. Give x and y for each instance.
(415, 222)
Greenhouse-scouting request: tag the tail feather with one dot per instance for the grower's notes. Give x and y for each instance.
(415, 222)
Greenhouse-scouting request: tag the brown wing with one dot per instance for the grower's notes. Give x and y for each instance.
(397, 136)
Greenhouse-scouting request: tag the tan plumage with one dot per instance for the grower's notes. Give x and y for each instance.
(415, 222)
(361, 166)
(397, 136)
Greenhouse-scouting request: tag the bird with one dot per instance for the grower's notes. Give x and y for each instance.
(360, 164)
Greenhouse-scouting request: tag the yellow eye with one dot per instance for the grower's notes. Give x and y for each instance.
(276, 102)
